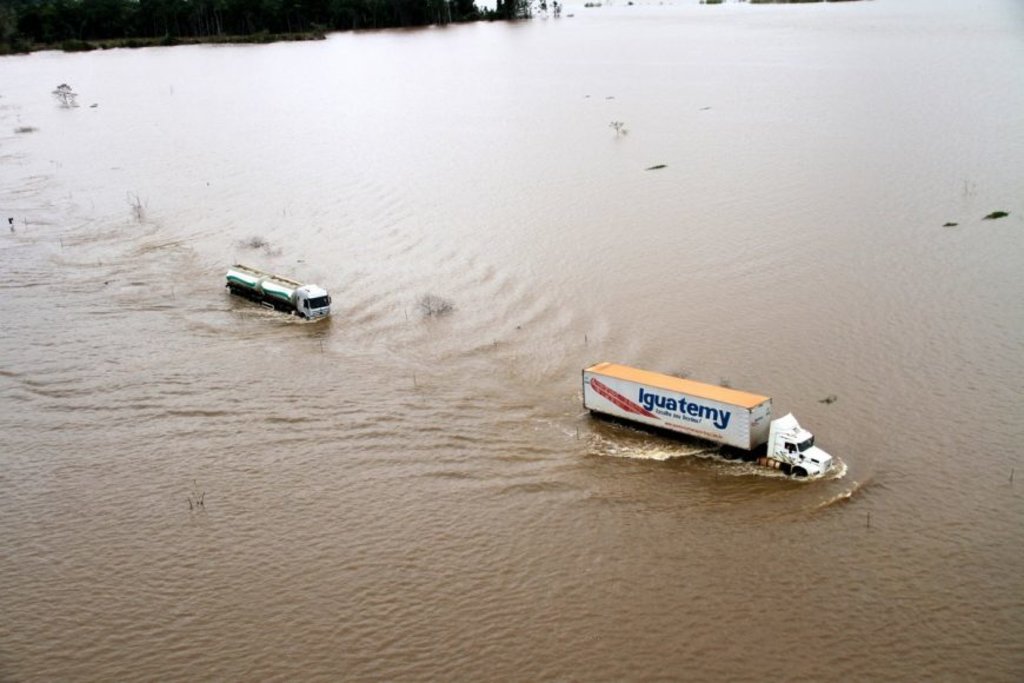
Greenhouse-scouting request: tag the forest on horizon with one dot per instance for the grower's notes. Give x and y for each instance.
(27, 25)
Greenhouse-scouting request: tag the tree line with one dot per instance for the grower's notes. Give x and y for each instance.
(77, 24)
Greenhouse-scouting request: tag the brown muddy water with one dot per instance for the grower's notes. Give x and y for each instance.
(390, 496)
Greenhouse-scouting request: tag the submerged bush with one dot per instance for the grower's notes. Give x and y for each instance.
(433, 305)
(255, 242)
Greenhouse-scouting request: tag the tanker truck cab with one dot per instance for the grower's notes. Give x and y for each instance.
(793, 447)
(312, 301)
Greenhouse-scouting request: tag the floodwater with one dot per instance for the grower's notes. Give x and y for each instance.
(394, 496)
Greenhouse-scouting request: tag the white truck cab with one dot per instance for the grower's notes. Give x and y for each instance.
(793, 446)
(312, 301)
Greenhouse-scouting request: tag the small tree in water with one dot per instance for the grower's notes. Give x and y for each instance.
(619, 126)
(433, 305)
(65, 95)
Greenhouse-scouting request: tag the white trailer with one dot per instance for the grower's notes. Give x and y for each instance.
(280, 293)
(735, 419)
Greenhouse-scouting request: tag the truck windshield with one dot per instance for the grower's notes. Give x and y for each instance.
(804, 445)
(319, 302)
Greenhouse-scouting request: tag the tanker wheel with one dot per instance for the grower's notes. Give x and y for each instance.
(799, 472)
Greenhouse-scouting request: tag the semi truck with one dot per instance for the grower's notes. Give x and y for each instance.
(280, 293)
(737, 420)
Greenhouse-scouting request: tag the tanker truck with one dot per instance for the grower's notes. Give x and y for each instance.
(280, 293)
(741, 422)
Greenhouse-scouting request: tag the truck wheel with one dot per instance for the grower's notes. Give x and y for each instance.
(799, 472)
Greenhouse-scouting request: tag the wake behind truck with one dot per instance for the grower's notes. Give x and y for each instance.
(735, 419)
(280, 293)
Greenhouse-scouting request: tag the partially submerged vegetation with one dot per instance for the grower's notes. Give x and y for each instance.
(66, 96)
(432, 305)
(257, 242)
(137, 207)
(262, 37)
(80, 25)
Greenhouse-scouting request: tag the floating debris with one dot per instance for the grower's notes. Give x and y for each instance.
(950, 224)
(831, 398)
(656, 167)
(996, 214)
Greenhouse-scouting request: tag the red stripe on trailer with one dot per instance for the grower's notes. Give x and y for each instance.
(618, 399)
